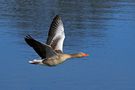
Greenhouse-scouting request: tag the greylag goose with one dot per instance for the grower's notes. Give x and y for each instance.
(51, 53)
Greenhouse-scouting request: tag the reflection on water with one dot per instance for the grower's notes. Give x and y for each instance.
(102, 28)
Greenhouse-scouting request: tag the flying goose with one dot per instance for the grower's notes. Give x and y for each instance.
(51, 53)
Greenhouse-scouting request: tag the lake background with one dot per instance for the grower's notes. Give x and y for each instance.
(105, 29)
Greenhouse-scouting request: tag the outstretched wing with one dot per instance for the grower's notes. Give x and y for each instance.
(43, 50)
(56, 34)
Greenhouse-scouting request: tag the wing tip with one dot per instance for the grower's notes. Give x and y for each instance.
(29, 40)
(28, 37)
(57, 17)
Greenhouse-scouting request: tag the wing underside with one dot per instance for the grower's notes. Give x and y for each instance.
(56, 34)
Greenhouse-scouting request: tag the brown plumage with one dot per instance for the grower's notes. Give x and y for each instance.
(51, 53)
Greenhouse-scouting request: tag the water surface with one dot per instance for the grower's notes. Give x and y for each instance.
(102, 28)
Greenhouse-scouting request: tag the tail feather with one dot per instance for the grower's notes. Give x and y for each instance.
(36, 61)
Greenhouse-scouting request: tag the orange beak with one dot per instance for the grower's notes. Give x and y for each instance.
(85, 55)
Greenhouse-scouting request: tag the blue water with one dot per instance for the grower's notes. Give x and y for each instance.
(105, 29)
